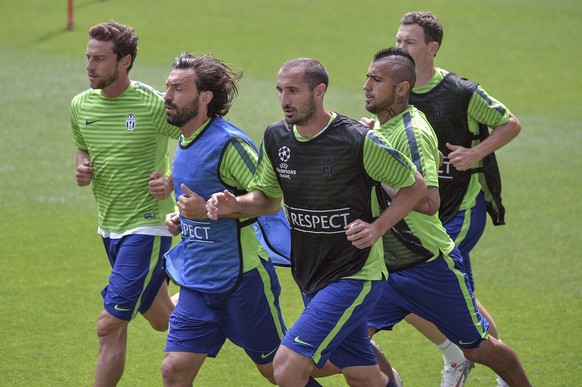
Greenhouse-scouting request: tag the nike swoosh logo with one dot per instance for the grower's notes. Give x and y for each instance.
(297, 340)
(461, 342)
(266, 355)
(117, 308)
(87, 122)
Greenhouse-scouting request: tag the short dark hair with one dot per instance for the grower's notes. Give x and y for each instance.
(123, 37)
(403, 64)
(433, 30)
(313, 72)
(212, 75)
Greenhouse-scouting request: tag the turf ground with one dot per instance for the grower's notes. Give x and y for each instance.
(528, 273)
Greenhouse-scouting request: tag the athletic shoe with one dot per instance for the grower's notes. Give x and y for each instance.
(455, 375)
(501, 382)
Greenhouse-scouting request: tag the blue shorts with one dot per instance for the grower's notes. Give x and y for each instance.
(466, 229)
(250, 317)
(333, 325)
(437, 291)
(136, 275)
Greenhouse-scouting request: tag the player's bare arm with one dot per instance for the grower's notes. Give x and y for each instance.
(366, 234)
(463, 158)
(255, 203)
(429, 205)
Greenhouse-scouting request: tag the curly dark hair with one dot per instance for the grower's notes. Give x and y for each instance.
(123, 37)
(213, 75)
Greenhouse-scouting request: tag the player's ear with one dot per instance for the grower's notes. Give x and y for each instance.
(206, 97)
(433, 48)
(126, 61)
(320, 90)
(403, 88)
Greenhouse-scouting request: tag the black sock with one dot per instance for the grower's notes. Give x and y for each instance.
(391, 383)
(313, 383)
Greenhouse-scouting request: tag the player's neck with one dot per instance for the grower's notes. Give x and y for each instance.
(319, 121)
(423, 75)
(194, 125)
(116, 88)
(392, 111)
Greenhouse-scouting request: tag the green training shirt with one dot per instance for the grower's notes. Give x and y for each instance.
(411, 134)
(482, 109)
(127, 139)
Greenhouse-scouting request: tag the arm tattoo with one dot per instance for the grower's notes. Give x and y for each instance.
(432, 205)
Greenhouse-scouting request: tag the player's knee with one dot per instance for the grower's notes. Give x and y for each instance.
(288, 367)
(169, 369)
(110, 326)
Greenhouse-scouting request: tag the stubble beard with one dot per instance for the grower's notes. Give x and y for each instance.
(183, 115)
(102, 83)
(310, 110)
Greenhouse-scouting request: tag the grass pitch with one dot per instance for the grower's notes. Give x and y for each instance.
(53, 266)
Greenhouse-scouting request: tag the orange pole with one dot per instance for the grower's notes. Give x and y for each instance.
(70, 21)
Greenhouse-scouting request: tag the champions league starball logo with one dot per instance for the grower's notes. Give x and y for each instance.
(284, 154)
(283, 167)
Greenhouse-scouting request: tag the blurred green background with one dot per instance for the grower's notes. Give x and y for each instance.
(528, 273)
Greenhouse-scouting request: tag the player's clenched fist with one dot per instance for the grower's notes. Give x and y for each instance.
(220, 203)
(84, 173)
(173, 223)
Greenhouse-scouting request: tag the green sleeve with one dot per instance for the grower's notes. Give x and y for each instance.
(486, 109)
(385, 164)
(427, 152)
(265, 179)
(77, 136)
(238, 164)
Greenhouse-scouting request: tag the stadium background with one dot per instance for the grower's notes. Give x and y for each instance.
(524, 52)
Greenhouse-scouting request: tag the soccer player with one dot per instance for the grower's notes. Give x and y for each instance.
(120, 131)
(427, 277)
(325, 166)
(228, 285)
(461, 113)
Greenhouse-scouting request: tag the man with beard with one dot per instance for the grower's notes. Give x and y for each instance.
(228, 285)
(427, 275)
(325, 166)
(120, 131)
